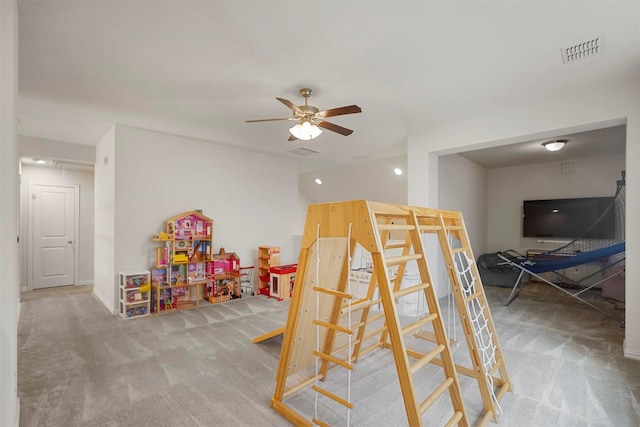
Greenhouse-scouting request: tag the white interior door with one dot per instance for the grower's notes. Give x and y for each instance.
(53, 223)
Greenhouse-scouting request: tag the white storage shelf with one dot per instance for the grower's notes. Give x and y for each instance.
(135, 291)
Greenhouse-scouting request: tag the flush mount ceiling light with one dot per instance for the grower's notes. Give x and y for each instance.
(318, 181)
(305, 130)
(555, 144)
(397, 171)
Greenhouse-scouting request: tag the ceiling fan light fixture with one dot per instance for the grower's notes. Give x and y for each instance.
(555, 144)
(305, 130)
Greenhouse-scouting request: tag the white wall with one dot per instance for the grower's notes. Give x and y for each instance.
(84, 242)
(508, 187)
(104, 229)
(462, 187)
(10, 277)
(251, 197)
(49, 149)
(372, 180)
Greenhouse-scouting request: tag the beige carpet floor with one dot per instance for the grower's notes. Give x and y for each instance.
(79, 365)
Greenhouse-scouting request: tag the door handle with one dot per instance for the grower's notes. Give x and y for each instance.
(70, 241)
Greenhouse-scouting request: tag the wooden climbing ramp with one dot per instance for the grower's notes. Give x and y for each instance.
(329, 328)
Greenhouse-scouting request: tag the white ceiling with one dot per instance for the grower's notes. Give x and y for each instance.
(595, 143)
(200, 69)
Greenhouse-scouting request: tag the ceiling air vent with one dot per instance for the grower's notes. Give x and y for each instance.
(583, 49)
(303, 152)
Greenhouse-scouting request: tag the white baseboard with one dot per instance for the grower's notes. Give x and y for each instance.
(631, 354)
(84, 282)
(18, 310)
(104, 301)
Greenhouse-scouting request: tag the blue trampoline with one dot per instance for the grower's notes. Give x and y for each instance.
(577, 252)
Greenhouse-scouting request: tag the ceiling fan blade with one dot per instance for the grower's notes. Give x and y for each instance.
(269, 120)
(335, 128)
(292, 138)
(291, 105)
(349, 109)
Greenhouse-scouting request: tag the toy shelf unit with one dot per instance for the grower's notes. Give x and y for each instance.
(268, 256)
(183, 265)
(226, 278)
(134, 293)
(283, 278)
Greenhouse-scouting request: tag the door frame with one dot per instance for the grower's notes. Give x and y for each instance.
(76, 230)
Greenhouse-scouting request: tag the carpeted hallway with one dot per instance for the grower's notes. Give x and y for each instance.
(79, 365)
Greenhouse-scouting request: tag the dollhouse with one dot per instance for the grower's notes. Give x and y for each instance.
(226, 278)
(186, 269)
(183, 264)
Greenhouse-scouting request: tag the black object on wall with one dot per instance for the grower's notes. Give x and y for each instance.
(587, 218)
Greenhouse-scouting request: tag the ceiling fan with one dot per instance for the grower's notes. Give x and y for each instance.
(310, 119)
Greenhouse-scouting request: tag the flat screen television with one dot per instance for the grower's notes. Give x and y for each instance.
(569, 218)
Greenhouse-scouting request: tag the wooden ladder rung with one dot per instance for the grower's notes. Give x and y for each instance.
(373, 333)
(343, 363)
(332, 396)
(375, 317)
(355, 326)
(435, 395)
(458, 250)
(431, 337)
(453, 227)
(421, 322)
(505, 388)
(333, 292)
(370, 348)
(411, 289)
(453, 421)
(395, 246)
(356, 305)
(426, 335)
(430, 228)
(473, 296)
(396, 260)
(333, 326)
(302, 385)
(495, 367)
(345, 346)
(396, 279)
(395, 227)
(319, 423)
(427, 358)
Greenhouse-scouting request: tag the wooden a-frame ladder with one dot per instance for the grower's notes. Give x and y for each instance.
(315, 329)
(489, 367)
(488, 364)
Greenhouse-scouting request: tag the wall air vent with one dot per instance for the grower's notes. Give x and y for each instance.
(583, 49)
(303, 151)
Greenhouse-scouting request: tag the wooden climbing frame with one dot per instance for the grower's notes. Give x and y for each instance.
(320, 330)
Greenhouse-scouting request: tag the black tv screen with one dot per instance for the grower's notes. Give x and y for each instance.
(569, 218)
